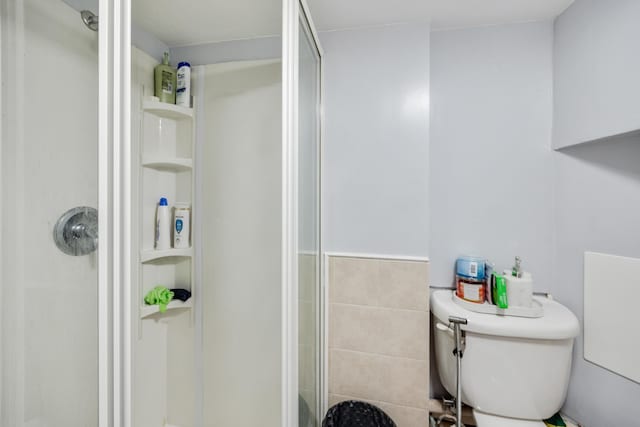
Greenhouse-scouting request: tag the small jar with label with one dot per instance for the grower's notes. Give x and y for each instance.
(469, 289)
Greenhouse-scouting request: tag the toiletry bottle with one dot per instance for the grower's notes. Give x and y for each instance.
(500, 292)
(181, 226)
(165, 81)
(488, 291)
(183, 88)
(163, 226)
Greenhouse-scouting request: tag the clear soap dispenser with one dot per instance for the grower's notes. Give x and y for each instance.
(165, 81)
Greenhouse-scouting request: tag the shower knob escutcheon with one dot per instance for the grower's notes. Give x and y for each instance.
(76, 232)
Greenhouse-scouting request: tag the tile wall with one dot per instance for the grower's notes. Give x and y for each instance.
(379, 335)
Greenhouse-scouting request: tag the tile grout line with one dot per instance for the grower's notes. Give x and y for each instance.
(379, 307)
(379, 354)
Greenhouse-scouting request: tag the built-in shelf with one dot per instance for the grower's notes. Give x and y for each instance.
(166, 164)
(149, 310)
(169, 111)
(153, 255)
(166, 169)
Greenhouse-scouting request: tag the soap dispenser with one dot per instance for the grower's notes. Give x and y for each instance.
(519, 286)
(165, 81)
(516, 271)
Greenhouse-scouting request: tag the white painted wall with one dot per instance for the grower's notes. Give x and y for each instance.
(491, 98)
(596, 68)
(490, 160)
(597, 206)
(241, 237)
(49, 165)
(376, 139)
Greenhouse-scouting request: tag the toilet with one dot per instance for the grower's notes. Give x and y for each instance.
(515, 370)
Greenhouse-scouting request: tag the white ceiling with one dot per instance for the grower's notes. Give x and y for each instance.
(188, 22)
(339, 14)
(180, 23)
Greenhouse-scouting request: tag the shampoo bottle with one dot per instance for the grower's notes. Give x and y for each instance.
(163, 226)
(181, 226)
(165, 81)
(183, 87)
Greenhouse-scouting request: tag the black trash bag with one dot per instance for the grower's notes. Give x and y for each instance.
(352, 413)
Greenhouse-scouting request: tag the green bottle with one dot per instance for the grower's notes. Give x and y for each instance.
(165, 79)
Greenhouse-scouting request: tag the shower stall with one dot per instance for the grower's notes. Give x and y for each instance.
(87, 151)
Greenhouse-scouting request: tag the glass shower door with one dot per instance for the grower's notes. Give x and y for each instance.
(309, 250)
(48, 253)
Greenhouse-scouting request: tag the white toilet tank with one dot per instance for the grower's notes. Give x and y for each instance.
(512, 366)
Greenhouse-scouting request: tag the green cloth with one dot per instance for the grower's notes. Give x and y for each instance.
(160, 296)
(555, 421)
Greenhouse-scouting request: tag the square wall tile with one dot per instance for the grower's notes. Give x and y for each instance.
(385, 331)
(387, 379)
(379, 282)
(404, 284)
(353, 280)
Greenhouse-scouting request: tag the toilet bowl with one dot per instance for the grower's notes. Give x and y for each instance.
(515, 370)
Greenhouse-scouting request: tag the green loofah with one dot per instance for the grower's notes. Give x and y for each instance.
(160, 296)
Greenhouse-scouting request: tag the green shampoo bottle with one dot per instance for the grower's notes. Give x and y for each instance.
(165, 81)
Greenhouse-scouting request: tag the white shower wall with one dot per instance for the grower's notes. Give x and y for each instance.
(241, 238)
(228, 355)
(49, 165)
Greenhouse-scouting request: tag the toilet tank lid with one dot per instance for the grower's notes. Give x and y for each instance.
(558, 322)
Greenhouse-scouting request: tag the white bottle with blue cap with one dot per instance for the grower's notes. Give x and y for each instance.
(163, 226)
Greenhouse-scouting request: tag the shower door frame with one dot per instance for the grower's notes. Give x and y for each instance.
(114, 208)
(293, 12)
(114, 187)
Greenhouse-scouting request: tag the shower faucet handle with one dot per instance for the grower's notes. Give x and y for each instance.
(76, 231)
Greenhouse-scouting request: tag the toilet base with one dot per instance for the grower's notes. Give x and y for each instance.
(487, 420)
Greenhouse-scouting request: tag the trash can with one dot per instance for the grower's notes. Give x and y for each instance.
(353, 413)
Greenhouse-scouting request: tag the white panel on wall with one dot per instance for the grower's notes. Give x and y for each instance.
(611, 334)
(490, 186)
(596, 68)
(597, 206)
(376, 151)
